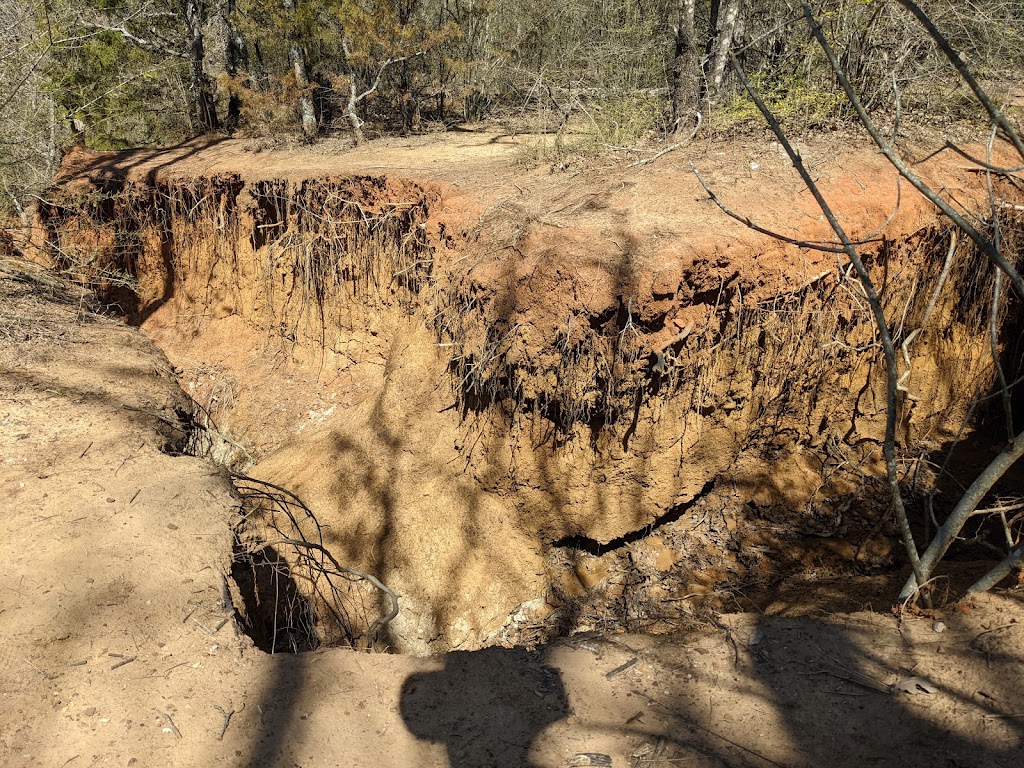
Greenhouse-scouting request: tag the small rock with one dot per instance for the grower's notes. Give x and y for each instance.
(89, 712)
(938, 626)
(584, 759)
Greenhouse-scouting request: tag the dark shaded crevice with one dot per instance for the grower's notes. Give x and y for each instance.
(601, 320)
(270, 216)
(273, 612)
(597, 549)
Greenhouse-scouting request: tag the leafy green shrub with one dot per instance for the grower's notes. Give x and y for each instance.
(798, 104)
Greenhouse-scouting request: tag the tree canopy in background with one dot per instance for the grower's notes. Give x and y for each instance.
(116, 73)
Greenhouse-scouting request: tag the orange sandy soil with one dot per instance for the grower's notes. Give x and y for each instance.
(581, 227)
(544, 251)
(118, 643)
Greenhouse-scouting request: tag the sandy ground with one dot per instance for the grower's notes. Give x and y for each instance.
(118, 647)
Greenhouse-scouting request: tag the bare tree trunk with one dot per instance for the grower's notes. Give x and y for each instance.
(1013, 561)
(351, 109)
(353, 115)
(409, 101)
(297, 55)
(309, 121)
(724, 15)
(203, 106)
(685, 69)
(410, 106)
(235, 56)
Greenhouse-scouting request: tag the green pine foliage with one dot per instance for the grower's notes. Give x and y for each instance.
(120, 92)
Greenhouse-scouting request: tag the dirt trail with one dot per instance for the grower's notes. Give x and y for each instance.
(114, 649)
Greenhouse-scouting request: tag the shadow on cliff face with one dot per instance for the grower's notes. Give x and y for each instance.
(487, 707)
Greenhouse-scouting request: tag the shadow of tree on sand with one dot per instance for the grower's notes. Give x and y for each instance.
(487, 707)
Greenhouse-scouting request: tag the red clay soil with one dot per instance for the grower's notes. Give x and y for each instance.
(543, 408)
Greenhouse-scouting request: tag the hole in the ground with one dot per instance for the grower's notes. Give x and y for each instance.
(322, 269)
(274, 613)
(296, 596)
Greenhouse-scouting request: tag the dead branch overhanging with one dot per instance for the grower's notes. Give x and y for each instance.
(984, 243)
(809, 244)
(957, 60)
(982, 165)
(991, 250)
(871, 294)
(284, 500)
(996, 286)
(341, 569)
(937, 548)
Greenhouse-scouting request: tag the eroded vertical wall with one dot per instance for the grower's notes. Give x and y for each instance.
(530, 393)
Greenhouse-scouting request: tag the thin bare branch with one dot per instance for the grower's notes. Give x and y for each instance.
(982, 165)
(809, 244)
(392, 597)
(889, 444)
(964, 509)
(957, 60)
(996, 288)
(984, 243)
(1013, 561)
(144, 43)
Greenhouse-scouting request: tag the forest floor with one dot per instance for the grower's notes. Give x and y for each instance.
(119, 645)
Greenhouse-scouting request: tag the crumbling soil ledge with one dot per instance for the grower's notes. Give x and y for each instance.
(473, 374)
(114, 649)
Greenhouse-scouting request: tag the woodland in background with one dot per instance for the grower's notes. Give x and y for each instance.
(118, 73)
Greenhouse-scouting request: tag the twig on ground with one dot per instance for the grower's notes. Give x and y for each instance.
(227, 721)
(672, 147)
(170, 727)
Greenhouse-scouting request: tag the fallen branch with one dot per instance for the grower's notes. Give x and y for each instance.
(673, 147)
(342, 570)
(170, 727)
(227, 721)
